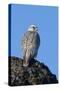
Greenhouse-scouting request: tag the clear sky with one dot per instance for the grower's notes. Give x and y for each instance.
(46, 19)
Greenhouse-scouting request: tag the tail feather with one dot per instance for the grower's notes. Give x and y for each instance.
(27, 58)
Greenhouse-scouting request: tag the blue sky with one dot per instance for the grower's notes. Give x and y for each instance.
(46, 19)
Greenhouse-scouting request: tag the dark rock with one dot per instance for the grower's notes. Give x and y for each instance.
(35, 73)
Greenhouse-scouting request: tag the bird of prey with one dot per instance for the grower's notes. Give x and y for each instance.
(30, 44)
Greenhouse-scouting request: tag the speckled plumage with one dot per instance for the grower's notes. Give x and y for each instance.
(30, 44)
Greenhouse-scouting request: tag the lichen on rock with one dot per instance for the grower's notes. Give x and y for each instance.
(36, 73)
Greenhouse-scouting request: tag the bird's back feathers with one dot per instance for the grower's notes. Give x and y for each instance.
(31, 39)
(30, 44)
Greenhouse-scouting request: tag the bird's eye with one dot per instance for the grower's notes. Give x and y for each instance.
(33, 27)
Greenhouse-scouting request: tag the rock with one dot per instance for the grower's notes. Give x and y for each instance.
(36, 73)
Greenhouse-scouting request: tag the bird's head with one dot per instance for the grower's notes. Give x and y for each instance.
(33, 28)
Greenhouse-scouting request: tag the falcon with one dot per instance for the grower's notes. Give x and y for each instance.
(30, 44)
